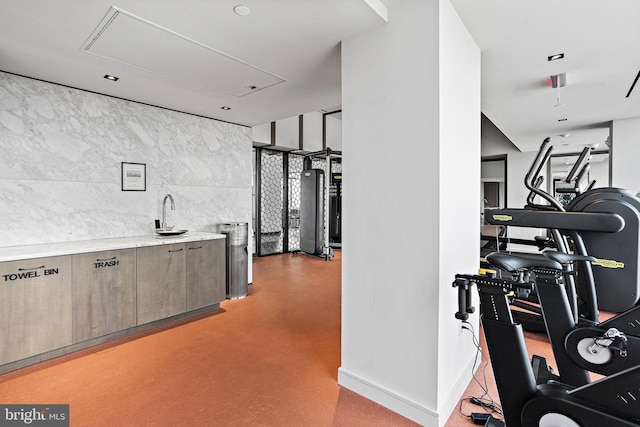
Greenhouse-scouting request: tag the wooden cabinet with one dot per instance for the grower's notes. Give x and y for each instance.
(54, 305)
(205, 273)
(104, 293)
(161, 282)
(35, 307)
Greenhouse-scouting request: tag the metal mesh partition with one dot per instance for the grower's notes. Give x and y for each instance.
(272, 206)
(254, 220)
(271, 202)
(295, 169)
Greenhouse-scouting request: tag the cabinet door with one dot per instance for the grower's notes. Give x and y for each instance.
(161, 290)
(205, 273)
(104, 293)
(35, 307)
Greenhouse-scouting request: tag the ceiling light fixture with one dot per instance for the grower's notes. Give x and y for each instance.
(110, 77)
(225, 108)
(555, 57)
(633, 84)
(241, 10)
(565, 135)
(562, 120)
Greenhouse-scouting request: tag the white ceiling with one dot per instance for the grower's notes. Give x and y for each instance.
(290, 50)
(602, 58)
(194, 56)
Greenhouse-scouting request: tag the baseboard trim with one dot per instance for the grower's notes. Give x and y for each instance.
(405, 407)
(388, 399)
(452, 400)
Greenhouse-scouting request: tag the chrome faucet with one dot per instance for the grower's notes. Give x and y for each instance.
(164, 210)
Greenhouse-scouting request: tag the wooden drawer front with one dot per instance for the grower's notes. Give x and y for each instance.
(104, 293)
(161, 280)
(35, 313)
(205, 273)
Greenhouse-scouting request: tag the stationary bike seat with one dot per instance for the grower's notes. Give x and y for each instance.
(513, 263)
(563, 258)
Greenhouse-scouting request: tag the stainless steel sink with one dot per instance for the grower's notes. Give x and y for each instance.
(170, 232)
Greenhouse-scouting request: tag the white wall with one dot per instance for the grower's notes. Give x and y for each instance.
(625, 168)
(518, 163)
(411, 111)
(60, 167)
(493, 171)
(288, 132)
(494, 142)
(333, 130)
(312, 131)
(599, 171)
(262, 133)
(459, 189)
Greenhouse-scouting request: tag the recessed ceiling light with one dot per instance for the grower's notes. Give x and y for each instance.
(110, 77)
(241, 10)
(565, 135)
(225, 108)
(562, 120)
(555, 57)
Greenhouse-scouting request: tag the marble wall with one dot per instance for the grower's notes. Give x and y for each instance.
(60, 166)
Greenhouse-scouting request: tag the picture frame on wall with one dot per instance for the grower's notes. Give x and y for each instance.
(134, 176)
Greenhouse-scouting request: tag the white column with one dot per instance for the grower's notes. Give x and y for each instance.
(411, 154)
(625, 170)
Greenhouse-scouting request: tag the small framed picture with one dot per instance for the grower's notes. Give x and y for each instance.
(134, 176)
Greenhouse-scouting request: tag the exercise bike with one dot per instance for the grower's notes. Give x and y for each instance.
(613, 401)
(602, 348)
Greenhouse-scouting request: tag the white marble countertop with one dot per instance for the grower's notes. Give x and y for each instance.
(14, 253)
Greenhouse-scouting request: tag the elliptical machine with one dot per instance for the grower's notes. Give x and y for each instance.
(604, 222)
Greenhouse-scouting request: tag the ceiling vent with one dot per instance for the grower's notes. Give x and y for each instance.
(133, 41)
